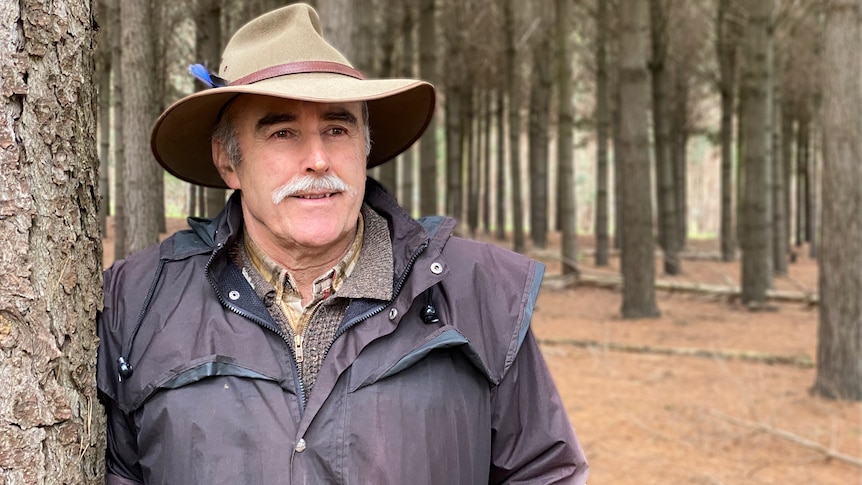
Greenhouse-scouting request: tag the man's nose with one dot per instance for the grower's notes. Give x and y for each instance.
(317, 160)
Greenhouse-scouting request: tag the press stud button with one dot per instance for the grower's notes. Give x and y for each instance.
(393, 313)
(300, 445)
(436, 268)
(233, 295)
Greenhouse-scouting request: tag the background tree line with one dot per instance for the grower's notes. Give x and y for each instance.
(523, 87)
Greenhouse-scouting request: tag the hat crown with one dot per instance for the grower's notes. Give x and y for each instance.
(286, 35)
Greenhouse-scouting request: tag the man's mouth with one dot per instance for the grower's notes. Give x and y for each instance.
(315, 196)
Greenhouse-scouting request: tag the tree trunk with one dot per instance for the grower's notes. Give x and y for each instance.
(802, 177)
(787, 117)
(121, 243)
(454, 142)
(666, 194)
(637, 265)
(602, 128)
(757, 213)
(500, 192)
(142, 221)
(103, 75)
(811, 198)
(208, 44)
(487, 115)
(471, 159)
(51, 425)
(428, 143)
(388, 172)
(726, 43)
(408, 159)
(780, 248)
(679, 157)
(839, 334)
(338, 19)
(565, 141)
(540, 103)
(513, 86)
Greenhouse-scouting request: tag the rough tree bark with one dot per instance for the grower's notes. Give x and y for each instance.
(637, 266)
(51, 263)
(139, 112)
(839, 335)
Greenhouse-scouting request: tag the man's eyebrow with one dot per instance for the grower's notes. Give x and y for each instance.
(273, 118)
(340, 114)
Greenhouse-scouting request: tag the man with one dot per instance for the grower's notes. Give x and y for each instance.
(313, 332)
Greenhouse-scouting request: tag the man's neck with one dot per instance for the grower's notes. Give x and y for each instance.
(304, 264)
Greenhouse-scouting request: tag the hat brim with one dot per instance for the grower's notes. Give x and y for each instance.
(399, 111)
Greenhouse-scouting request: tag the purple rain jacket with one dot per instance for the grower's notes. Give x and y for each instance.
(463, 397)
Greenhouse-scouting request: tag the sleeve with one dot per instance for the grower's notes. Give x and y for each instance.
(532, 439)
(121, 463)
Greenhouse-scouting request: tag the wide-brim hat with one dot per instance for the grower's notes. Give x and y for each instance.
(283, 54)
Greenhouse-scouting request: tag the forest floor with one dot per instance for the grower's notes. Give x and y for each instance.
(708, 393)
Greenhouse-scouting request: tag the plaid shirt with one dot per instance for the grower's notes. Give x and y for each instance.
(286, 290)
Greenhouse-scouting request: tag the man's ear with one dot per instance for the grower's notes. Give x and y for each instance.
(224, 165)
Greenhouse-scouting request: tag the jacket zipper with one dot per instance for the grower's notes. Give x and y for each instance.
(239, 311)
(396, 291)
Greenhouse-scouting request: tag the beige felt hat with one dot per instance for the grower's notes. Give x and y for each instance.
(283, 54)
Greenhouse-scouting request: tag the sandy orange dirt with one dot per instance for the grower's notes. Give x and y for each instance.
(649, 412)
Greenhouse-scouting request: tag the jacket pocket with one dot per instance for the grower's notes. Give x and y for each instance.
(443, 338)
(197, 370)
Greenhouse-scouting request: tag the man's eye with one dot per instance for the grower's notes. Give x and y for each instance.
(280, 134)
(337, 131)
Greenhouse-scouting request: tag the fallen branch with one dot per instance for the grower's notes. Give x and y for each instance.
(616, 282)
(788, 436)
(801, 361)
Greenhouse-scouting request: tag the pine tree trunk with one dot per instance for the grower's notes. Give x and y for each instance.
(839, 335)
(428, 143)
(121, 244)
(540, 103)
(801, 177)
(637, 266)
(407, 160)
(139, 103)
(454, 141)
(602, 128)
(487, 114)
(500, 192)
(756, 227)
(565, 141)
(208, 44)
(513, 88)
(666, 194)
(51, 424)
(103, 75)
(726, 49)
(779, 217)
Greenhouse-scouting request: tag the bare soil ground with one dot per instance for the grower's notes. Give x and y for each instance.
(647, 414)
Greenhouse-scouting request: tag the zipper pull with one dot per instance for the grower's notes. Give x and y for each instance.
(297, 348)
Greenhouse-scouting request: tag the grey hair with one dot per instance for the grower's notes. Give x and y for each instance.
(226, 134)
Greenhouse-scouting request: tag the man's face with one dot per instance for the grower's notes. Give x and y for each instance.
(285, 143)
